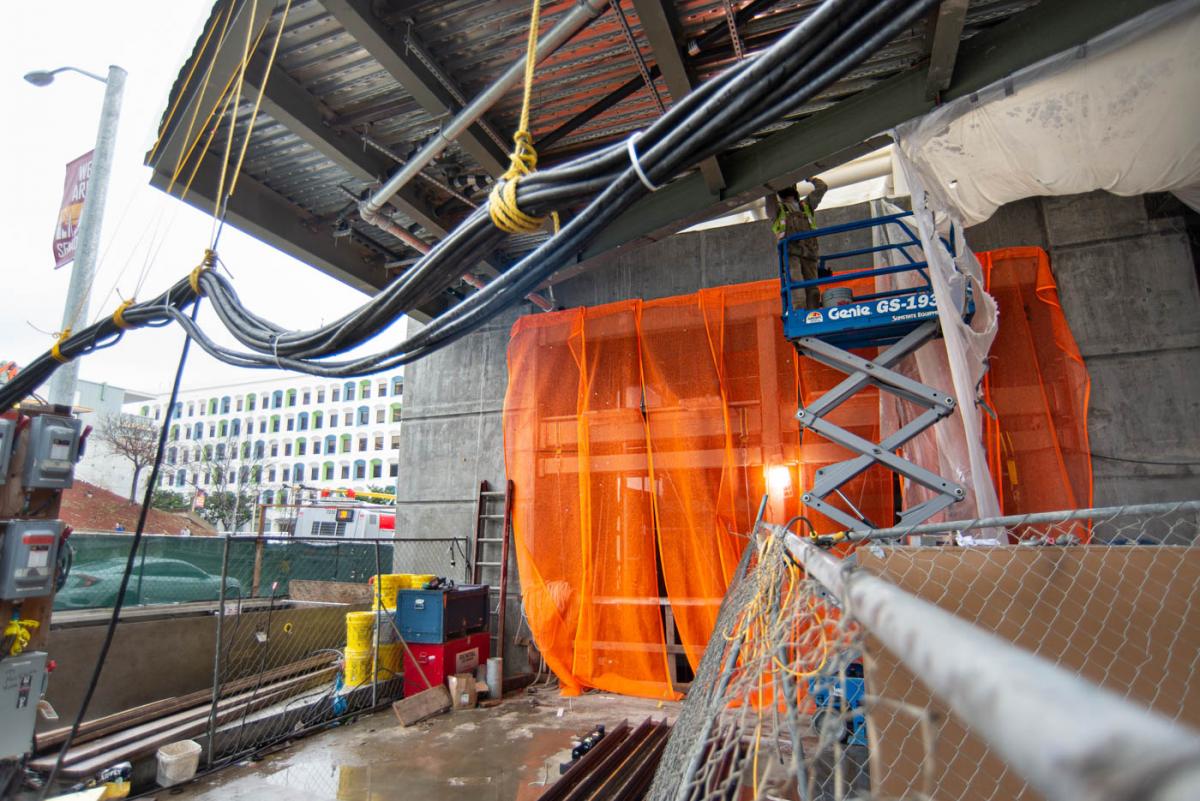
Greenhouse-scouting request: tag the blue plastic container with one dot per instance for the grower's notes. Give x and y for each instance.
(436, 616)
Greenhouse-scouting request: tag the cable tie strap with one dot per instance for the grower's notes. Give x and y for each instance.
(55, 352)
(210, 257)
(118, 316)
(637, 166)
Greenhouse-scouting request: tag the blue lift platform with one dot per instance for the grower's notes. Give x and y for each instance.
(898, 322)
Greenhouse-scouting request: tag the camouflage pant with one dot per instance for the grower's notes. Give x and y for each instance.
(803, 259)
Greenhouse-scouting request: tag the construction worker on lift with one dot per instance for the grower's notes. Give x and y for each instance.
(791, 214)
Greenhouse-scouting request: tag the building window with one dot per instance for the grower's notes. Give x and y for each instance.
(320, 396)
(397, 386)
(364, 415)
(318, 419)
(395, 413)
(274, 449)
(335, 395)
(271, 475)
(314, 473)
(220, 451)
(208, 451)
(238, 404)
(379, 442)
(262, 426)
(260, 449)
(291, 397)
(306, 398)
(274, 424)
(331, 444)
(348, 391)
(327, 469)
(225, 405)
(364, 386)
(376, 468)
(302, 421)
(362, 443)
(345, 471)
(191, 410)
(237, 427)
(246, 449)
(360, 469)
(291, 423)
(333, 418)
(393, 469)
(380, 415)
(266, 402)
(395, 442)
(287, 475)
(174, 433)
(345, 443)
(212, 406)
(316, 446)
(382, 389)
(301, 447)
(250, 402)
(277, 399)
(287, 449)
(223, 428)
(198, 431)
(172, 454)
(212, 429)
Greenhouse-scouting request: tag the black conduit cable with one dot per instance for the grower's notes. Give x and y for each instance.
(133, 549)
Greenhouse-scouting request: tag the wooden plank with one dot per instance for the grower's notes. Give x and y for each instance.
(421, 706)
(98, 727)
(338, 592)
(196, 716)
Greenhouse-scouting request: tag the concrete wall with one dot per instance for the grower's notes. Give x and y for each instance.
(1127, 278)
(1126, 271)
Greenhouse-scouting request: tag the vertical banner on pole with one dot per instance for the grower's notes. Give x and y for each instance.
(74, 193)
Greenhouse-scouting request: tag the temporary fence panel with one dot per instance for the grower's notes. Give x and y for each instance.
(1025, 671)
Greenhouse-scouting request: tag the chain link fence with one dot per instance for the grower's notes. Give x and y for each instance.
(287, 657)
(1044, 656)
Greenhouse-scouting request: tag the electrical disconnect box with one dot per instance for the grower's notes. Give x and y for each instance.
(52, 452)
(28, 553)
(8, 431)
(22, 685)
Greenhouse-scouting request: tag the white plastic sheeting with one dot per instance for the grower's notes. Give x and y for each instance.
(953, 447)
(1121, 113)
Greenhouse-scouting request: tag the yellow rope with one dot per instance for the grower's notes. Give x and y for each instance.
(258, 102)
(210, 257)
(118, 316)
(502, 202)
(63, 336)
(162, 130)
(237, 99)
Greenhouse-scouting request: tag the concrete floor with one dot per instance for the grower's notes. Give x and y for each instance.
(507, 752)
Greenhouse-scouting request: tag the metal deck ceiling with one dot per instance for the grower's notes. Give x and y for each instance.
(359, 85)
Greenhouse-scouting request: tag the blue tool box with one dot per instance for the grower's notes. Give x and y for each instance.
(436, 616)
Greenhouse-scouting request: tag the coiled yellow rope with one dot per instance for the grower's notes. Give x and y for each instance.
(118, 316)
(502, 202)
(63, 336)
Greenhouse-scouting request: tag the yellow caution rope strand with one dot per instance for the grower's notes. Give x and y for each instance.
(502, 202)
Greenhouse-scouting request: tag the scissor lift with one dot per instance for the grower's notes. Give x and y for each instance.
(899, 321)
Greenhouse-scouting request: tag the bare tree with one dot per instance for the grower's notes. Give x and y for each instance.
(232, 474)
(135, 438)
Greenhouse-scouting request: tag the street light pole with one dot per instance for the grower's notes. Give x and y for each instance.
(87, 242)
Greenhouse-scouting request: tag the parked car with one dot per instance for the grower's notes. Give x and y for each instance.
(155, 580)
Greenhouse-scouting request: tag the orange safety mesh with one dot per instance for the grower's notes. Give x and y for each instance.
(1037, 386)
(645, 433)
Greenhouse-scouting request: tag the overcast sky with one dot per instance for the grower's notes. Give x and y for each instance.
(144, 230)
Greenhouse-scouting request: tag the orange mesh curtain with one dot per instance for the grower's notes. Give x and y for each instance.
(1037, 386)
(640, 436)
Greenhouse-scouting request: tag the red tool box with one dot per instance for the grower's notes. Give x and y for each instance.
(443, 659)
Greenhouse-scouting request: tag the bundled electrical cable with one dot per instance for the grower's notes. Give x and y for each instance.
(830, 41)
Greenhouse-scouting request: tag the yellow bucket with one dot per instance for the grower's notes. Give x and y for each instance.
(360, 630)
(389, 585)
(358, 668)
(417, 581)
(391, 660)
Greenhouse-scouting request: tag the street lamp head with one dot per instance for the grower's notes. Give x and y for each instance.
(40, 77)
